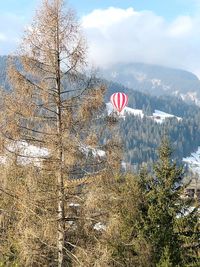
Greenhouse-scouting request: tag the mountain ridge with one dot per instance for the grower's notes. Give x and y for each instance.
(156, 80)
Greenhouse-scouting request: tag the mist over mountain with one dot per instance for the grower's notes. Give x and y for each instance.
(156, 80)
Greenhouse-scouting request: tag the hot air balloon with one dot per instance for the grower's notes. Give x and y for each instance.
(119, 101)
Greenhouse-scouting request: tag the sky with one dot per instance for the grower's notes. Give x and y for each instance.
(165, 32)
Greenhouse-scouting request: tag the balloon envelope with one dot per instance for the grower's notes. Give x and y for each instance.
(119, 101)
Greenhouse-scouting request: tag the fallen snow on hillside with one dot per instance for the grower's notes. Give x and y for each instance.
(191, 96)
(135, 112)
(25, 149)
(114, 74)
(94, 151)
(187, 211)
(156, 82)
(25, 152)
(158, 116)
(140, 76)
(193, 161)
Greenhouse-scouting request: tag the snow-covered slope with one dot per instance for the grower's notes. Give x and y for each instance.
(193, 161)
(94, 151)
(25, 152)
(190, 97)
(158, 116)
(135, 112)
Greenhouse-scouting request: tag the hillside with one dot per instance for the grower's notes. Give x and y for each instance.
(156, 80)
(149, 118)
(157, 116)
(142, 134)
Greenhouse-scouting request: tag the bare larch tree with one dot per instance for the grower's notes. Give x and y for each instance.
(51, 104)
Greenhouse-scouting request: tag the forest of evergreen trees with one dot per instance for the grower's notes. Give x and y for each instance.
(141, 136)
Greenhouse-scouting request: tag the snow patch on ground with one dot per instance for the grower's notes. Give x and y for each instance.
(3, 160)
(25, 149)
(156, 82)
(99, 226)
(140, 76)
(94, 151)
(25, 153)
(158, 116)
(186, 212)
(193, 161)
(126, 110)
(114, 74)
(176, 93)
(124, 165)
(75, 205)
(191, 96)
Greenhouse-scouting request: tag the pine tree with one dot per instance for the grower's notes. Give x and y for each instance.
(168, 223)
(165, 259)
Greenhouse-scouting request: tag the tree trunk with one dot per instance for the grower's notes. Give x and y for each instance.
(61, 222)
(61, 193)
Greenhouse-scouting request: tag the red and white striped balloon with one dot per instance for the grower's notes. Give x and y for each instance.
(119, 101)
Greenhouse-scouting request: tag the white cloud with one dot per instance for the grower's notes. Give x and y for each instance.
(11, 28)
(125, 35)
(3, 37)
(110, 16)
(182, 26)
